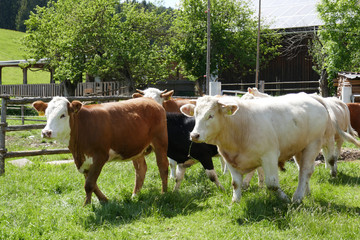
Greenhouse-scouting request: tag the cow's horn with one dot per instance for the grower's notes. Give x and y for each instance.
(140, 91)
(164, 91)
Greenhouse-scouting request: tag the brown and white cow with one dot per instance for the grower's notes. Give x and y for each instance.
(263, 132)
(99, 133)
(163, 98)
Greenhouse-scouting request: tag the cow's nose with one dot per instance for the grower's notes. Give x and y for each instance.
(194, 136)
(46, 133)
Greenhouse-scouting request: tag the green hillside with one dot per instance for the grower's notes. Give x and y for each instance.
(10, 50)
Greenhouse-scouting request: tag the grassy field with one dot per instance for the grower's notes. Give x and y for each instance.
(43, 201)
(10, 49)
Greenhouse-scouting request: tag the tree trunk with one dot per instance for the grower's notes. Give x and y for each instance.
(324, 84)
(69, 88)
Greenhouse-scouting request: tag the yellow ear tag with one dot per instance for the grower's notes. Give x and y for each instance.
(229, 112)
(41, 113)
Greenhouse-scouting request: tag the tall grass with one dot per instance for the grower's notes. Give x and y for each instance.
(42, 201)
(10, 49)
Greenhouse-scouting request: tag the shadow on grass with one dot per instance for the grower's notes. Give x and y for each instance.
(150, 204)
(344, 179)
(267, 207)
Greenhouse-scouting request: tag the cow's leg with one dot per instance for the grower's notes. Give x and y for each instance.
(140, 171)
(90, 181)
(236, 182)
(270, 167)
(223, 165)
(208, 165)
(330, 156)
(180, 173)
(160, 148)
(306, 162)
(339, 141)
(172, 164)
(247, 179)
(261, 177)
(98, 193)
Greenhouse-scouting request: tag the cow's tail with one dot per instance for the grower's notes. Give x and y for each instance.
(351, 134)
(348, 136)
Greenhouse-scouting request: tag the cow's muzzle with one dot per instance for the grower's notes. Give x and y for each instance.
(194, 137)
(46, 133)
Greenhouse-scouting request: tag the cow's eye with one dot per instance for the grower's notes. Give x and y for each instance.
(62, 116)
(210, 116)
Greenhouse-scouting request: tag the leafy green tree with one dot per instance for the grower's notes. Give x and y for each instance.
(233, 38)
(337, 46)
(90, 36)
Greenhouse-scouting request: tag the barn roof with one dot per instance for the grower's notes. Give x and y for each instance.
(285, 14)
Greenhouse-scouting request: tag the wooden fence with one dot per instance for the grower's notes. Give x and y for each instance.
(52, 89)
(44, 90)
(6, 100)
(275, 88)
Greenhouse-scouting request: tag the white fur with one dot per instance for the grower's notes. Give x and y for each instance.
(262, 132)
(86, 165)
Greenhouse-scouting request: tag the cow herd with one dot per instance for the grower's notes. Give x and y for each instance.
(255, 132)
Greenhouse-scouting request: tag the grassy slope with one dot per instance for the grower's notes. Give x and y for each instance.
(42, 201)
(10, 49)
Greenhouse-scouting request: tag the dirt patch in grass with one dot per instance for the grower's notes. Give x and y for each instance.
(347, 154)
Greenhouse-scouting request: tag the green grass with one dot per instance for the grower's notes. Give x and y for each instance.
(10, 49)
(42, 201)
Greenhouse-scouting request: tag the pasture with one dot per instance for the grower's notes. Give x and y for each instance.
(10, 49)
(43, 201)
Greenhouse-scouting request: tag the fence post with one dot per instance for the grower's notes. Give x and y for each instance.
(3, 125)
(262, 86)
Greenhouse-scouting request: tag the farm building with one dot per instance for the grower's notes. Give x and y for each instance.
(297, 21)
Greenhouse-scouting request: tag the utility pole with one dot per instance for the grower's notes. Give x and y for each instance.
(208, 50)
(258, 50)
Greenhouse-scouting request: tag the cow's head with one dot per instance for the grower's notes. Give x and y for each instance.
(209, 113)
(57, 113)
(154, 93)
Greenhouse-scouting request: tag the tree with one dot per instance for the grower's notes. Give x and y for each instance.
(336, 46)
(8, 11)
(92, 37)
(233, 38)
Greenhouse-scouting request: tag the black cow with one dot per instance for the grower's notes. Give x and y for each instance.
(183, 151)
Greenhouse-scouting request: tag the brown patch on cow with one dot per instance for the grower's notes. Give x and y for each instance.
(173, 105)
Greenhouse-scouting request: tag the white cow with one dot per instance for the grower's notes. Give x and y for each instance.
(332, 146)
(263, 132)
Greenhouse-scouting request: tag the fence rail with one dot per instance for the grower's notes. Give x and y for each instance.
(53, 89)
(275, 87)
(6, 100)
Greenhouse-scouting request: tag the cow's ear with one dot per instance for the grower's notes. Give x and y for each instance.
(249, 90)
(137, 95)
(75, 106)
(229, 109)
(40, 107)
(193, 101)
(188, 110)
(167, 95)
